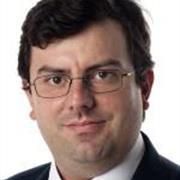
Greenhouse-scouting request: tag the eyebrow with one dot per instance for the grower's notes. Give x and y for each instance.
(108, 62)
(49, 69)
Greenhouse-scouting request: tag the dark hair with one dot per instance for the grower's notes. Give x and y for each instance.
(50, 20)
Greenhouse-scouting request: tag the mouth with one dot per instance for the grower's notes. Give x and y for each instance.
(82, 127)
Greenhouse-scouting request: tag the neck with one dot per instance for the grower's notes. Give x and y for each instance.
(72, 170)
(95, 169)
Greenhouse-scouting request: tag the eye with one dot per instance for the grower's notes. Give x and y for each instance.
(103, 74)
(56, 79)
(106, 75)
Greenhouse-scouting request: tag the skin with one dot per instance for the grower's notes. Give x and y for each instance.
(85, 151)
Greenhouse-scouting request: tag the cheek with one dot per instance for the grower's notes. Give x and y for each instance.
(125, 108)
(47, 116)
(119, 102)
(47, 112)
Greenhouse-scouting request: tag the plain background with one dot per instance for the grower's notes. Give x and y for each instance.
(21, 145)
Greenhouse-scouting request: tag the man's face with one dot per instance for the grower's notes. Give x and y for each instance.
(83, 127)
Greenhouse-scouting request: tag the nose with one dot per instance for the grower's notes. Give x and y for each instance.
(80, 98)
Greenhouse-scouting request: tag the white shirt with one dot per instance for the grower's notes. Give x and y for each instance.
(123, 171)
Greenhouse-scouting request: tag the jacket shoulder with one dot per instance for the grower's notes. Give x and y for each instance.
(169, 168)
(36, 173)
(153, 166)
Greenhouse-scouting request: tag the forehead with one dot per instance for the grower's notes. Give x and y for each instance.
(98, 43)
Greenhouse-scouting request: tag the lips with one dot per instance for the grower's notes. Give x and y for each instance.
(86, 126)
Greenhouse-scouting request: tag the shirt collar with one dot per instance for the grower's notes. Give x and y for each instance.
(124, 171)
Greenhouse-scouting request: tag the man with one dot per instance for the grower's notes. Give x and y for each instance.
(87, 71)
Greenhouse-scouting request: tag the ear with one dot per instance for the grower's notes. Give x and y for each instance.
(28, 92)
(146, 86)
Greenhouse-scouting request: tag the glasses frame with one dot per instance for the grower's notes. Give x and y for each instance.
(84, 79)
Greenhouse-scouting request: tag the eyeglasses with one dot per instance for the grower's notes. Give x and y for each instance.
(98, 81)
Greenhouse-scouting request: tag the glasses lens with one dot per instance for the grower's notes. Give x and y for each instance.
(52, 86)
(99, 81)
(105, 81)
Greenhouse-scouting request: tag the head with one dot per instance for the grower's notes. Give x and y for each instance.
(83, 128)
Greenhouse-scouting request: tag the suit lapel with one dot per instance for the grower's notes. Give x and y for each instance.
(45, 174)
(150, 167)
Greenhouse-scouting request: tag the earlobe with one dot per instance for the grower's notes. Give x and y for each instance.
(30, 99)
(146, 87)
(32, 114)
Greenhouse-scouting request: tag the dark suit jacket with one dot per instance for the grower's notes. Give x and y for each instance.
(152, 167)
